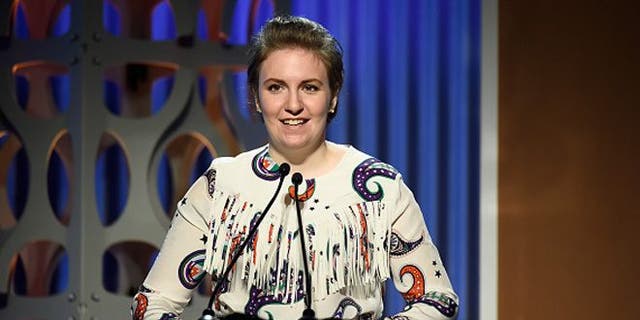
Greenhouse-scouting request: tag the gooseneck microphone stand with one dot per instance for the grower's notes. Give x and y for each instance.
(308, 313)
(208, 314)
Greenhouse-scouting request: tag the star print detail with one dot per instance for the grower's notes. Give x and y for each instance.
(434, 263)
(204, 239)
(183, 201)
(316, 200)
(438, 274)
(326, 207)
(312, 208)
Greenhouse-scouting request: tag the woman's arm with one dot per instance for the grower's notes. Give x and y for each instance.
(178, 268)
(416, 268)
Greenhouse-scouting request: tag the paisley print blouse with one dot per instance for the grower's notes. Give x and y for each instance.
(362, 226)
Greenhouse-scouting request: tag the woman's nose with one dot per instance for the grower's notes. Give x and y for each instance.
(294, 105)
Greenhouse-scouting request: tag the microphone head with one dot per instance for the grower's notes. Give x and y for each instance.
(296, 179)
(284, 169)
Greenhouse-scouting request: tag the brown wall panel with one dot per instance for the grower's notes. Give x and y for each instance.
(569, 160)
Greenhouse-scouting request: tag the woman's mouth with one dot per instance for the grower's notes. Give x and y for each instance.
(294, 122)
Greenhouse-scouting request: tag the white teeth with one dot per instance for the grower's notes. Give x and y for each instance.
(293, 122)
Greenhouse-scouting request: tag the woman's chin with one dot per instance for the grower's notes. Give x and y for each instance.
(296, 144)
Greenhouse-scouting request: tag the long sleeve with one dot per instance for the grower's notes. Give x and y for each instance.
(416, 268)
(178, 268)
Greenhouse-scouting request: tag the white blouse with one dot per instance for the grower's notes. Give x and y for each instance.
(362, 226)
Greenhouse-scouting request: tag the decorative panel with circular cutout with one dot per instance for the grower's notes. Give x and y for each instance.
(138, 90)
(185, 159)
(37, 19)
(248, 17)
(125, 265)
(40, 269)
(42, 88)
(111, 179)
(60, 176)
(140, 19)
(14, 179)
(218, 102)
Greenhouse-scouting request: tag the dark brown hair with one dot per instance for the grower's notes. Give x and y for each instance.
(284, 32)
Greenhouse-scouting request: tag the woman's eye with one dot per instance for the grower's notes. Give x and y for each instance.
(274, 87)
(310, 88)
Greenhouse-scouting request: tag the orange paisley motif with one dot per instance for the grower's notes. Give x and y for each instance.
(417, 289)
(141, 306)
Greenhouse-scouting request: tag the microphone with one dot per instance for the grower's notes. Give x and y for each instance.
(308, 313)
(208, 314)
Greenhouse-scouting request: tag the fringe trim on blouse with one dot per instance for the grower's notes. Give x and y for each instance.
(348, 248)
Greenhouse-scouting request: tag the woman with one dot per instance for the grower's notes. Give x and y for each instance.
(361, 226)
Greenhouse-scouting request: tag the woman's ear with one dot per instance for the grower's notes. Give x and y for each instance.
(333, 104)
(256, 103)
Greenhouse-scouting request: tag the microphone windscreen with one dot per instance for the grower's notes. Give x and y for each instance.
(284, 169)
(297, 178)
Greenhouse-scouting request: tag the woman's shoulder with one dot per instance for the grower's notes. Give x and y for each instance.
(239, 159)
(367, 177)
(364, 163)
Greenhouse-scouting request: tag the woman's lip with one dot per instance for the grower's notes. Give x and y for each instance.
(294, 122)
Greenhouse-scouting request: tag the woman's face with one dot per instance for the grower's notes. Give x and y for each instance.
(295, 99)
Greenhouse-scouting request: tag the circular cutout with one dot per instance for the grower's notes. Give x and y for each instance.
(222, 105)
(184, 159)
(42, 89)
(125, 265)
(60, 176)
(248, 17)
(40, 269)
(153, 19)
(111, 179)
(14, 179)
(138, 90)
(209, 20)
(41, 19)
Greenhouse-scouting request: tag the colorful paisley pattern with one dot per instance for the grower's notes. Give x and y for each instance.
(441, 302)
(417, 289)
(258, 298)
(400, 247)
(307, 194)
(211, 180)
(191, 270)
(265, 167)
(139, 306)
(364, 239)
(346, 302)
(366, 170)
(169, 316)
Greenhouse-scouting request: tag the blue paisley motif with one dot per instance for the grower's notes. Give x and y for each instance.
(211, 181)
(441, 302)
(368, 169)
(346, 302)
(191, 271)
(259, 298)
(265, 167)
(400, 247)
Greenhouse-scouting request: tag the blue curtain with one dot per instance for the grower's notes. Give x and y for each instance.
(411, 98)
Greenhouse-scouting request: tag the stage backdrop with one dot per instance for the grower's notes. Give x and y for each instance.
(112, 108)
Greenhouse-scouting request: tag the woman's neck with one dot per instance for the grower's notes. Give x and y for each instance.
(311, 163)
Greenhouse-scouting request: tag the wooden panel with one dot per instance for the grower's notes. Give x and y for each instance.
(569, 160)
